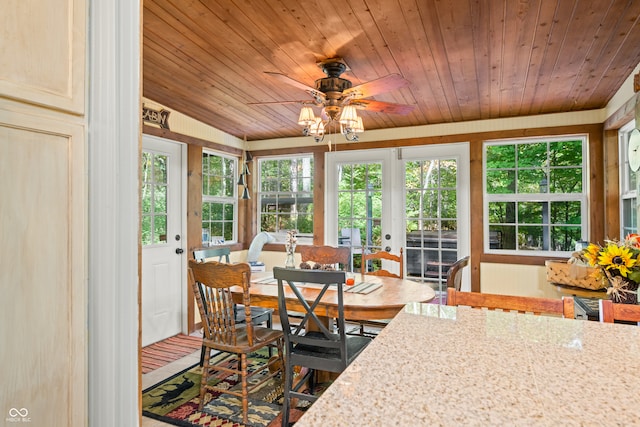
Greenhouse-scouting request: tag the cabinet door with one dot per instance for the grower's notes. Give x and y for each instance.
(43, 209)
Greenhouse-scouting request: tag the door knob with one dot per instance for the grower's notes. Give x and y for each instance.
(179, 251)
(387, 248)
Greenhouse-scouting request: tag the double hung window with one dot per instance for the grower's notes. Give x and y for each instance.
(219, 197)
(535, 195)
(286, 195)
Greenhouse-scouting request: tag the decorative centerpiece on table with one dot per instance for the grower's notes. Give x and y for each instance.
(617, 265)
(290, 248)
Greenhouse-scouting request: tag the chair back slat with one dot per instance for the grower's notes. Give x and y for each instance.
(610, 312)
(211, 283)
(382, 255)
(339, 257)
(222, 253)
(564, 307)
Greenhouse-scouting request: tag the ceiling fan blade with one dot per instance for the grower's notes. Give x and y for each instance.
(382, 107)
(279, 102)
(374, 87)
(288, 80)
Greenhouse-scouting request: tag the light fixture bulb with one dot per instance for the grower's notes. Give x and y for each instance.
(349, 117)
(358, 127)
(307, 117)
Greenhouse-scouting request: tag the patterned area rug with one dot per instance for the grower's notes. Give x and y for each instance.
(175, 400)
(161, 353)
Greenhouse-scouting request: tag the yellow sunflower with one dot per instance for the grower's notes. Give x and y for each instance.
(591, 254)
(616, 257)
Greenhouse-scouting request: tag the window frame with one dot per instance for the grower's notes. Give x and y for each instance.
(280, 235)
(549, 197)
(628, 188)
(233, 200)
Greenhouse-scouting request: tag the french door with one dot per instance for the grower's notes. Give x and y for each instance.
(416, 198)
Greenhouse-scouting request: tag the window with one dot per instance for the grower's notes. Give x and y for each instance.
(219, 201)
(154, 198)
(628, 183)
(535, 196)
(286, 195)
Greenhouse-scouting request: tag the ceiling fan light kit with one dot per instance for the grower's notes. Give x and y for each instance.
(339, 100)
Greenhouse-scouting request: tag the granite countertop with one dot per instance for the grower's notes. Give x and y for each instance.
(448, 366)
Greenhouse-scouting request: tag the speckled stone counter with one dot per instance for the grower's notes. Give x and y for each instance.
(452, 366)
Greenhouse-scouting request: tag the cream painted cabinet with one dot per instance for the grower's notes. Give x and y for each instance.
(43, 211)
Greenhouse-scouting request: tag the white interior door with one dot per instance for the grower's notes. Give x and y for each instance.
(163, 257)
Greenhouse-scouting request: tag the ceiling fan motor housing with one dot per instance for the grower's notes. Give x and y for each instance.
(332, 84)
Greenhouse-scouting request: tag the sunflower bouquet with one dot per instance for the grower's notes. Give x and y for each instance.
(617, 264)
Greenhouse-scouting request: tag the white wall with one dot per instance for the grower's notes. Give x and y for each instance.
(512, 279)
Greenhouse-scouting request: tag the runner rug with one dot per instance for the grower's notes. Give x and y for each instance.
(166, 351)
(175, 400)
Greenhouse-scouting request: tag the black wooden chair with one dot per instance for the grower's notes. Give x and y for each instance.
(311, 344)
(259, 315)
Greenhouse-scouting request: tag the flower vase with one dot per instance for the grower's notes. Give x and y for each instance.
(628, 297)
(290, 262)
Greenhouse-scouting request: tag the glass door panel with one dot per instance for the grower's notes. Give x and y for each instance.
(415, 198)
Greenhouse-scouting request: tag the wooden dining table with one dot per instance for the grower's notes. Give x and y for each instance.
(382, 303)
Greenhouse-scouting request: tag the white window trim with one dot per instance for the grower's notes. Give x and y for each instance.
(224, 199)
(626, 192)
(536, 197)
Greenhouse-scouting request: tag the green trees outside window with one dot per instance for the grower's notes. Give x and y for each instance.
(286, 194)
(154, 198)
(535, 194)
(219, 201)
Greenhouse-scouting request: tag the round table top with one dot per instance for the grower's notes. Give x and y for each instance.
(382, 303)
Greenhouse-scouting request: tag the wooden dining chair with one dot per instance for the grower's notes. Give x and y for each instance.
(374, 261)
(535, 305)
(211, 283)
(338, 257)
(454, 274)
(610, 311)
(454, 279)
(259, 315)
(312, 344)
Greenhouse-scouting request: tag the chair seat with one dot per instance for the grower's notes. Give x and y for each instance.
(355, 344)
(258, 314)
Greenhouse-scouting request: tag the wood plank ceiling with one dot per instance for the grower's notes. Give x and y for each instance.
(464, 59)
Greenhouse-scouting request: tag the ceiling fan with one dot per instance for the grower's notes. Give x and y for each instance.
(339, 99)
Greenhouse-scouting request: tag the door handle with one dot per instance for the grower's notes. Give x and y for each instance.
(179, 251)
(387, 248)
